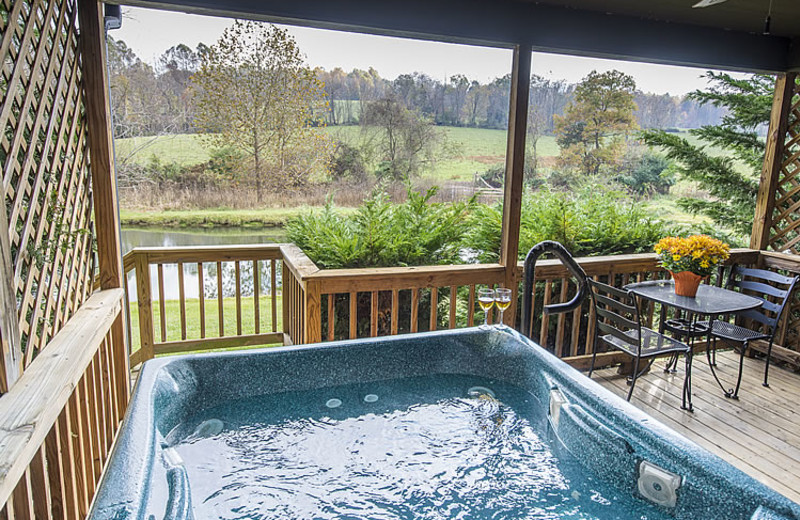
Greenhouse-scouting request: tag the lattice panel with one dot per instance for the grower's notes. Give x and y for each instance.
(44, 158)
(785, 229)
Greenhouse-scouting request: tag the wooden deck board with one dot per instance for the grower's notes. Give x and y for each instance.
(759, 433)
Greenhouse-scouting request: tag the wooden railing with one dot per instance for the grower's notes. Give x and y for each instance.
(330, 304)
(58, 422)
(209, 298)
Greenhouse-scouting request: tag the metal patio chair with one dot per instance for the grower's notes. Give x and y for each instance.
(618, 325)
(774, 290)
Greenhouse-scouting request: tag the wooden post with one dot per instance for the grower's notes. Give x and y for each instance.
(104, 178)
(144, 301)
(10, 346)
(773, 160)
(515, 162)
(312, 310)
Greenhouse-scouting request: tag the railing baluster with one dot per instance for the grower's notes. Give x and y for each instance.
(414, 309)
(453, 291)
(201, 295)
(162, 311)
(182, 300)
(548, 292)
(373, 314)
(590, 323)
(471, 307)
(40, 485)
(220, 310)
(434, 308)
(576, 330)
(274, 290)
(22, 499)
(562, 320)
(73, 493)
(353, 315)
(75, 436)
(395, 310)
(55, 473)
(331, 316)
(238, 269)
(256, 298)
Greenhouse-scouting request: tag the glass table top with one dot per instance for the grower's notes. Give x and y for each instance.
(710, 299)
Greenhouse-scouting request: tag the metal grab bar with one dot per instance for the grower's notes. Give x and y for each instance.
(558, 250)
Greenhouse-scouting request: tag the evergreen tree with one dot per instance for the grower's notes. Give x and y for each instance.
(731, 179)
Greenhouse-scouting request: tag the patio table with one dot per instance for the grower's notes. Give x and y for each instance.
(711, 301)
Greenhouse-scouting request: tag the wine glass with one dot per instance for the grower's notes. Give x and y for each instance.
(486, 301)
(502, 298)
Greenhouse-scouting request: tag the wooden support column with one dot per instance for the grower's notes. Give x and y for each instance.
(104, 178)
(773, 160)
(515, 162)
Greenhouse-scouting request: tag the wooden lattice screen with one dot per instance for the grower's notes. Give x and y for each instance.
(44, 158)
(784, 233)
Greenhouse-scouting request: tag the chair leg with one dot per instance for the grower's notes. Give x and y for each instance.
(687, 383)
(766, 368)
(735, 394)
(633, 378)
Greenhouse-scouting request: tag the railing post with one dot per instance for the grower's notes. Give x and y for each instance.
(773, 160)
(312, 311)
(515, 162)
(145, 304)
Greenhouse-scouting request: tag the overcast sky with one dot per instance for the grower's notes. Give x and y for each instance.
(150, 32)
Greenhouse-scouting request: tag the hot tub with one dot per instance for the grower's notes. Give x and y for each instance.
(457, 424)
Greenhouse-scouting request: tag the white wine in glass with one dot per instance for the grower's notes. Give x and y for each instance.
(502, 298)
(486, 300)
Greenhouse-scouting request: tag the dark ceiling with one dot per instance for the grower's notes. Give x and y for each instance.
(724, 36)
(735, 15)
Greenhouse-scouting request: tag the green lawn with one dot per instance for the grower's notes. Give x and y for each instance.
(211, 218)
(173, 318)
(470, 150)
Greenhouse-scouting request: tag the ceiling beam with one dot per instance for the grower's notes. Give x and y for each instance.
(505, 23)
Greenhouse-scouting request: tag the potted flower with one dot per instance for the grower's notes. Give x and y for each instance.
(689, 260)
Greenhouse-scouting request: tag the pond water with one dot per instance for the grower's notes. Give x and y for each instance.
(200, 237)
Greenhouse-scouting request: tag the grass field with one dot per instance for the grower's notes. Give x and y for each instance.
(173, 318)
(470, 149)
(205, 218)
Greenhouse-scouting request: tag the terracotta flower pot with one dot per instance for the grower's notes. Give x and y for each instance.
(686, 283)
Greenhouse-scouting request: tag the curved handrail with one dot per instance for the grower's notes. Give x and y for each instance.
(555, 248)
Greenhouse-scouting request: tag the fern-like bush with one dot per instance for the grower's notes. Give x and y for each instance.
(592, 221)
(384, 234)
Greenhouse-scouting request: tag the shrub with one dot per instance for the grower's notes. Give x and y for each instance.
(646, 174)
(591, 221)
(384, 234)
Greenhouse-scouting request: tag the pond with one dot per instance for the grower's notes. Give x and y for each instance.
(135, 237)
(201, 237)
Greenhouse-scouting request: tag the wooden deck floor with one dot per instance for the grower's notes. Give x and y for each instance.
(759, 433)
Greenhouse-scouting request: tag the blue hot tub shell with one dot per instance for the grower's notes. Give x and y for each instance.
(610, 437)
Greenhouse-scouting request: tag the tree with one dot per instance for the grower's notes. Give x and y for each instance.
(592, 131)
(406, 141)
(253, 92)
(731, 180)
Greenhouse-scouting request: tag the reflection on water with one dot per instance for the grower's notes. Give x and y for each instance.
(198, 237)
(191, 285)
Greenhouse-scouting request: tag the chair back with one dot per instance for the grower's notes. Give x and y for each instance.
(616, 314)
(761, 284)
